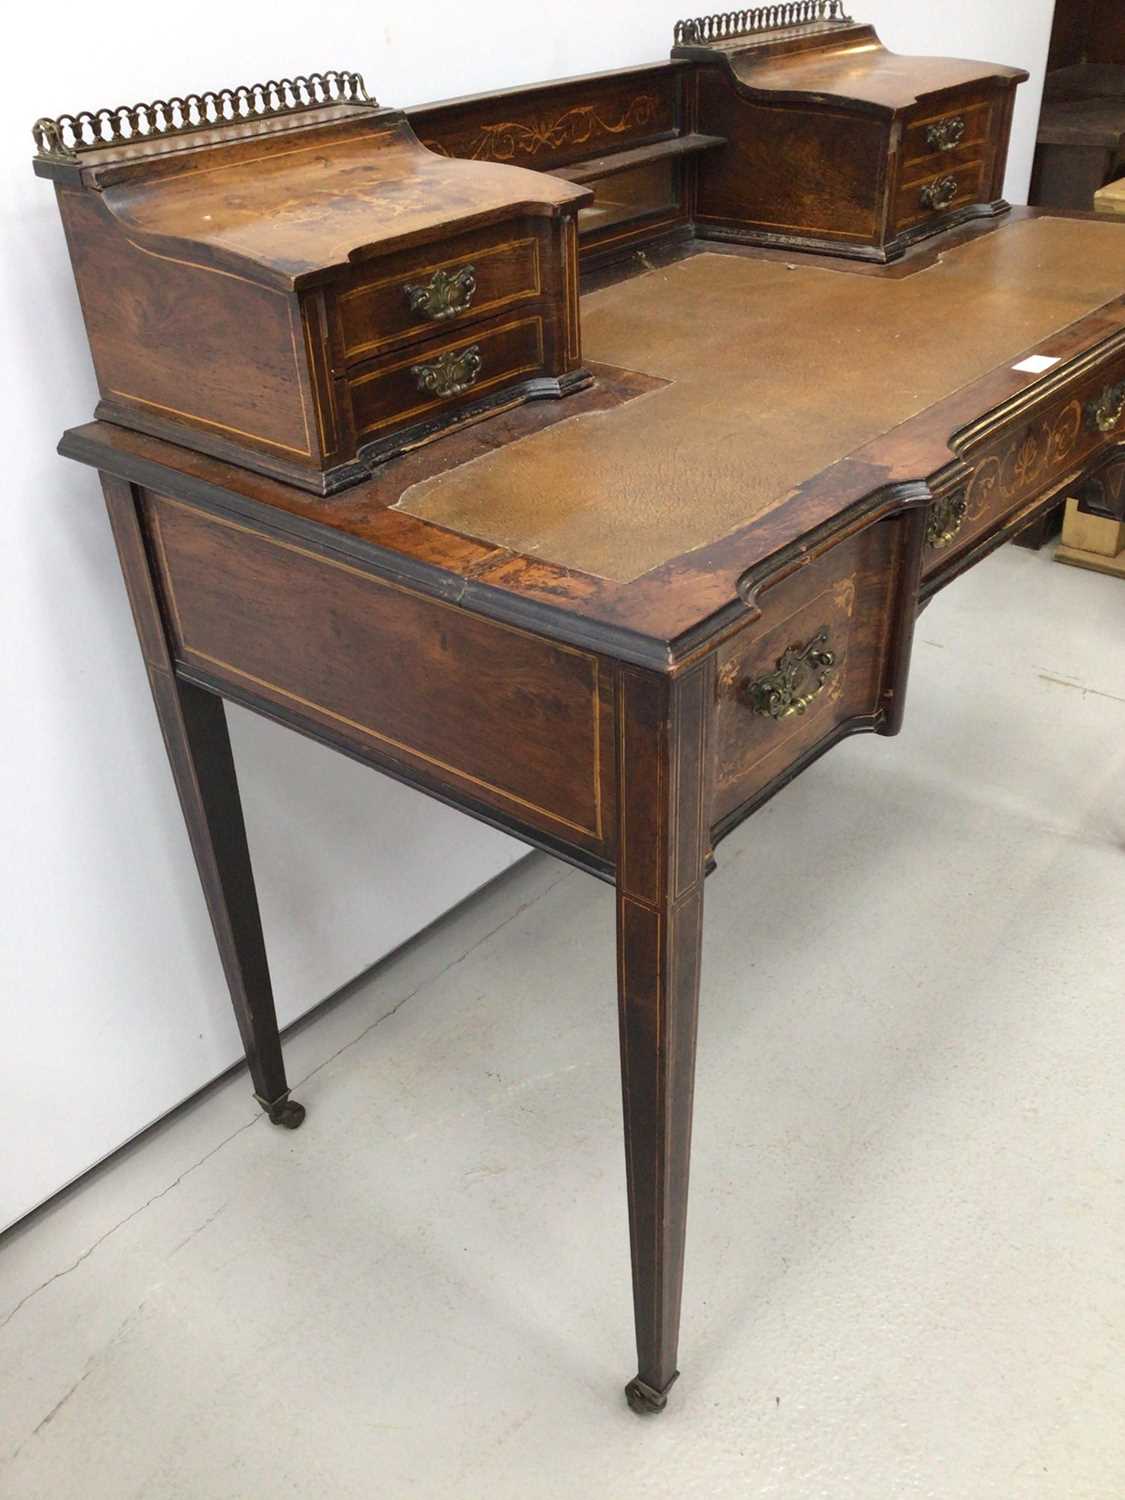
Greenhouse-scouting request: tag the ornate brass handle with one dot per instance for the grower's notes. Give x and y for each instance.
(947, 516)
(1104, 414)
(945, 134)
(446, 294)
(802, 674)
(451, 373)
(938, 194)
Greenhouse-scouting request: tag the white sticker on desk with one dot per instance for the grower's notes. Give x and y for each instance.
(1035, 364)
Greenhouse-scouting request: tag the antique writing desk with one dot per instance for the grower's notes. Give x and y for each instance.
(615, 624)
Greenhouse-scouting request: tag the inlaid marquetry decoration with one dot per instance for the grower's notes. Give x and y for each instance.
(946, 518)
(67, 135)
(1105, 413)
(733, 23)
(802, 673)
(451, 373)
(1025, 463)
(510, 140)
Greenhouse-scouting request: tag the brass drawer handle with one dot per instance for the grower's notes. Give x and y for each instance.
(451, 373)
(947, 516)
(445, 294)
(802, 674)
(1104, 414)
(939, 194)
(945, 134)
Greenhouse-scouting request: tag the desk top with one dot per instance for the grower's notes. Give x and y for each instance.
(770, 373)
(741, 404)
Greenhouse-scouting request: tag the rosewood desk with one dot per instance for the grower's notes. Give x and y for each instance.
(615, 625)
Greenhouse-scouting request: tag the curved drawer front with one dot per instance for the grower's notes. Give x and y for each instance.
(1027, 461)
(444, 374)
(931, 189)
(421, 292)
(935, 138)
(817, 663)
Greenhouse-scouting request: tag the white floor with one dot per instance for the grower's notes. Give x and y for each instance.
(906, 1273)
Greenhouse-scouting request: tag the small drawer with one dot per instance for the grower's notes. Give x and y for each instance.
(427, 290)
(1014, 469)
(443, 374)
(938, 138)
(817, 661)
(932, 194)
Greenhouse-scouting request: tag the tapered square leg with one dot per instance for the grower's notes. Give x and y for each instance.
(194, 726)
(663, 779)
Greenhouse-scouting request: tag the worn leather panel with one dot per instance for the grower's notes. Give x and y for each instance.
(775, 373)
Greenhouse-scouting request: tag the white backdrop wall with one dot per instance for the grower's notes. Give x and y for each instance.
(112, 1002)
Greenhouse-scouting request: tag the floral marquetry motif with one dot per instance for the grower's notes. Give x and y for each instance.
(1029, 460)
(509, 140)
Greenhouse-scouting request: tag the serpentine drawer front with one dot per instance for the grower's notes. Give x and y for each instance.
(956, 133)
(424, 379)
(423, 291)
(1024, 462)
(817, 662)
(933, 188)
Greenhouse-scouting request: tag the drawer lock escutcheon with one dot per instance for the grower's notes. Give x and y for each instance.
(802, 674)
(446, 294)
(1104, 414)
(451, 373)
(939, 194)
(945, 134)
(947, 516)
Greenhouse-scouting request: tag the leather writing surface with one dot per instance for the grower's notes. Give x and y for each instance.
(775, 372)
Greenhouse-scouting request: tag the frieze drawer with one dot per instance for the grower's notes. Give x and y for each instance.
(816, 665)
(438, 287)
(1026, 463)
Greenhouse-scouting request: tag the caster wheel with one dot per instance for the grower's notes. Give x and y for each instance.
(285, 1112)
(645, 1401)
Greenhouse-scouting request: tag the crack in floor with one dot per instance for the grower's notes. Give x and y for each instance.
(1079, 687)
(257, 1118)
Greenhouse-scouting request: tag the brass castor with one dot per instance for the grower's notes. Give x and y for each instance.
(644, 1399)
(283, 1111)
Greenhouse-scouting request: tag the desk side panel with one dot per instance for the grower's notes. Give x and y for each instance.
(478, 711)
(195, 354)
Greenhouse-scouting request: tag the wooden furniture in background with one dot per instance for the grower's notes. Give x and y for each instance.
(616, 625)
(305, 289)
(1081, 138)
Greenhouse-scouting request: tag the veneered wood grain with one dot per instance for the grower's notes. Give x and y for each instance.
(850, 592)
(294, 215)
(349, 649)
(159, 333)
